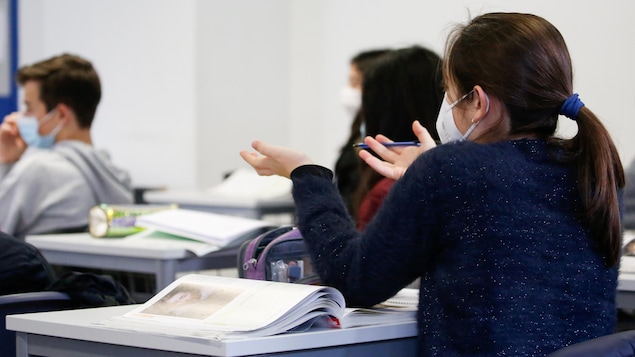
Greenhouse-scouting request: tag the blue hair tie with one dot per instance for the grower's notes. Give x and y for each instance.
(571, 107)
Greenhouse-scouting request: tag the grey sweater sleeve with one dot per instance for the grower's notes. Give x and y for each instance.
(4, 170)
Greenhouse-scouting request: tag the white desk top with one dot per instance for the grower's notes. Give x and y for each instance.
(626, 282)
(122, 247)
(78, 324)
(204, 198)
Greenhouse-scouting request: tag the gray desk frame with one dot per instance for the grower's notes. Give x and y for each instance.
(163, 263)
(73, 333)
(625, 297)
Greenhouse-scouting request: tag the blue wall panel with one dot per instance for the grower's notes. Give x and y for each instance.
(8, 56)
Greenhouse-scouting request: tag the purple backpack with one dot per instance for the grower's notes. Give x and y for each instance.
(277, 255)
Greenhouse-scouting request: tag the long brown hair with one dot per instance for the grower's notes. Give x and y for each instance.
(401, 86)
(523, 60)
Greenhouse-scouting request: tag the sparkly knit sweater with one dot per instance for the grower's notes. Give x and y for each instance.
(507, 267)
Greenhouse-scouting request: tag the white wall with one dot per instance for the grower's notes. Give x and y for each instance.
(189, 83)
(598, 35)
(242, 79)
(144, 53)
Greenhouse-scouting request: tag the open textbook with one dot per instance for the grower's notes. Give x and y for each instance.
(213, 307)
(215, 229)
(400, 308)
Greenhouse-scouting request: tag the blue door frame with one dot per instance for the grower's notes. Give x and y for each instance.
(9, 62)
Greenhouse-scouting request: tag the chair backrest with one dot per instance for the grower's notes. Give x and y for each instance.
(24, 303)
(22, 267)
(619, 344)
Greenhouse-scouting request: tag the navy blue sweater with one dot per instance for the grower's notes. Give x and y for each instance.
(507, 266)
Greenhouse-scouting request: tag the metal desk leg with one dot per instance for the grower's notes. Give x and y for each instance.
(21, 346)
(165, 273)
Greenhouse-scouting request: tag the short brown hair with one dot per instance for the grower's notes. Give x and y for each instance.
(67, 79)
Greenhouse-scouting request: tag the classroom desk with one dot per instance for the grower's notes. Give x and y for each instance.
(72, 333)
(163, 259)
(625, 298)
(203, 201)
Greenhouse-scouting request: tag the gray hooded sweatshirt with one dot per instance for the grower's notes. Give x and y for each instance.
(53, 190)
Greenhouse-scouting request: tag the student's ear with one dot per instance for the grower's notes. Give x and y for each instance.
(482, 103)
(64, 112)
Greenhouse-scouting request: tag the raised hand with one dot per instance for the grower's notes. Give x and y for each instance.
(274, 160)
(11, 144)
(396, 159)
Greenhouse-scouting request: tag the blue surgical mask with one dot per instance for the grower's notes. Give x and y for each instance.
(446, 126)
(29, 126)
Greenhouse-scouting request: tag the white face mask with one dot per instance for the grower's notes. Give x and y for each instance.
(351, 99)
(446, 126)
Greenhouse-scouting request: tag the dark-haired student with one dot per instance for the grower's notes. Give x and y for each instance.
(515, 233)
(401, 86)
(348, 163)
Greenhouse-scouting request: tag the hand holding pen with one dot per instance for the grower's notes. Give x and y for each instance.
(397, 157)
(389, 144)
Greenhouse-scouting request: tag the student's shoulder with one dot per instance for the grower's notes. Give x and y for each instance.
(465, 157)
(469, 152)
(37, 162)
(80, 151)
(450, 154)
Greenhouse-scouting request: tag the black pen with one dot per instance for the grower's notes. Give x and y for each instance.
(396, 143)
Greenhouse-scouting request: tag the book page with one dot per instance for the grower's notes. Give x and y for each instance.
(354, 317)
(167, 240)
(400, 308)
(212, 228)
(406, 299)
(221, 307)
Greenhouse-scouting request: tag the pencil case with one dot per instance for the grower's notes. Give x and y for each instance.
(276, 255)
(119, 220)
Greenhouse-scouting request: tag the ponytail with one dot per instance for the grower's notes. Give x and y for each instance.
(600, 173)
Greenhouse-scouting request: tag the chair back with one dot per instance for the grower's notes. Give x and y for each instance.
(22, 267)
(24, 303)
(619, 344)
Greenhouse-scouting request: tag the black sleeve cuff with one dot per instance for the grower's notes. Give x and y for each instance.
(315, 170)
